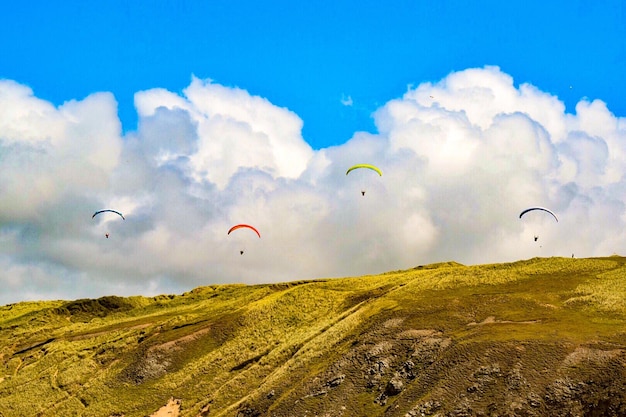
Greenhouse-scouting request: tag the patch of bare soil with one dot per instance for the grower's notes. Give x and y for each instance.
(154, 361)
(171, 409)
(493, 320)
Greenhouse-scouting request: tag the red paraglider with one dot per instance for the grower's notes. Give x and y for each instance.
(239, 226)
(244, 226)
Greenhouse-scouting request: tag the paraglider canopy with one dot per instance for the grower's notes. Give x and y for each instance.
(538, 208)
(108, 210)
(240, 226)
(368, 166)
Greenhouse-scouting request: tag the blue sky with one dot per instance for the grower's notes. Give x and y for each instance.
(191, 117)
(308, 56)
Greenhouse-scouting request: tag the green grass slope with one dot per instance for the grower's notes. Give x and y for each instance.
(535, 337)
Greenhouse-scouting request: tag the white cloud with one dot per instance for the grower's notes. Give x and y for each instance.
(461, 158)
(235, 130)
(47, 153)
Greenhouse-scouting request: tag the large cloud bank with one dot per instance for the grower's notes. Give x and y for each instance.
(461, 158)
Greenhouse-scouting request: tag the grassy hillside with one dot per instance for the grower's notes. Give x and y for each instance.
(535, 337)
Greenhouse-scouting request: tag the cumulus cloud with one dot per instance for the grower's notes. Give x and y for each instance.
(48, 153)
(234, 130)
(460, 159)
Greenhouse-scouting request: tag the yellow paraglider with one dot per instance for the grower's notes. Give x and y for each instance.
(366, 166)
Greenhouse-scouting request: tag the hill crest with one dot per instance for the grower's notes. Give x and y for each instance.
(543, 336)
